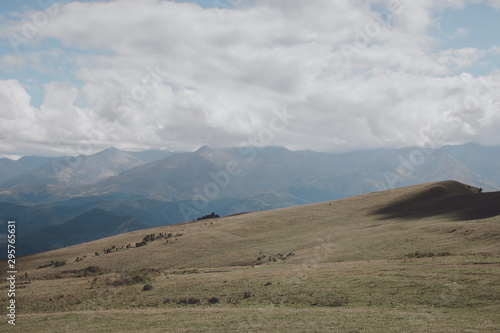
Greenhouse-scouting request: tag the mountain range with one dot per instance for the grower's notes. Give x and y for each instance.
(162, 187)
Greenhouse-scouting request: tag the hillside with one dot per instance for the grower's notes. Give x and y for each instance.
(341, 224)
(404, 255)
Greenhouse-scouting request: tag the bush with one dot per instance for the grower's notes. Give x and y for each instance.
(93, 269)
(59, 263)
(53, 263)
(147, 287)
(43, 266)
(141, 243)
(209, 216)
(193, 300)
(110, 249)
(213, 300)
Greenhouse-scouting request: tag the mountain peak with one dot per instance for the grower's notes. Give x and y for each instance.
(278, 148)
(111, 149)
(203, 149)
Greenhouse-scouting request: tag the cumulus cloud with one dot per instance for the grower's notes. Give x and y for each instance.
(19, 126)
(150, 74)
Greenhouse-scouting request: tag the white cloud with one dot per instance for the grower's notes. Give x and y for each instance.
(10, 62)
(159, 73)
(18, 126)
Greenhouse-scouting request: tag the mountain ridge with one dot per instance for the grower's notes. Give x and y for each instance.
(184, 186)
(180, 175)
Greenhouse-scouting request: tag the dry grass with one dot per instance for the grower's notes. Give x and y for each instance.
(352, 269)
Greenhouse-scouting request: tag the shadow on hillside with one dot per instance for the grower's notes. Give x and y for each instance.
(438, 201)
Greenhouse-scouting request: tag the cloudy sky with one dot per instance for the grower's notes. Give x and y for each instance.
(79, 76)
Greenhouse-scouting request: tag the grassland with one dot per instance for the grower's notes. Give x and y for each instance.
(418, 259)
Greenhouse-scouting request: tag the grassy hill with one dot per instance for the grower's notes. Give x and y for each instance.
(414, 259)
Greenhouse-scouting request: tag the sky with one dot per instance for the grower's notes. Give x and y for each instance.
(77, 77)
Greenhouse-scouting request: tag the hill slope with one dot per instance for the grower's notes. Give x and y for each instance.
(354, 228)
(370, 263)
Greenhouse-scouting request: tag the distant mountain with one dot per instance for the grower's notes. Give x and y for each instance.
(33, 162)
(79, 170)
(10, 169)
(447, 166)
(484, 161)
(411, 166)
(33, 219)
(226, 174)
(170, 179)
(86, 227)
(148, 156)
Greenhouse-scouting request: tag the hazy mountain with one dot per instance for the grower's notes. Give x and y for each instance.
(10, 169)
(211, 174)
(170, 179)
(447, 166)
(148, 156)
(33, 162)
(484, 161)
(32, 219)
(411, 166)
(77, 170)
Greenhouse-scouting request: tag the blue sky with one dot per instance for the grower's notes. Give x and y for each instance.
(475, 26)
(240, 61)
(34, 80)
